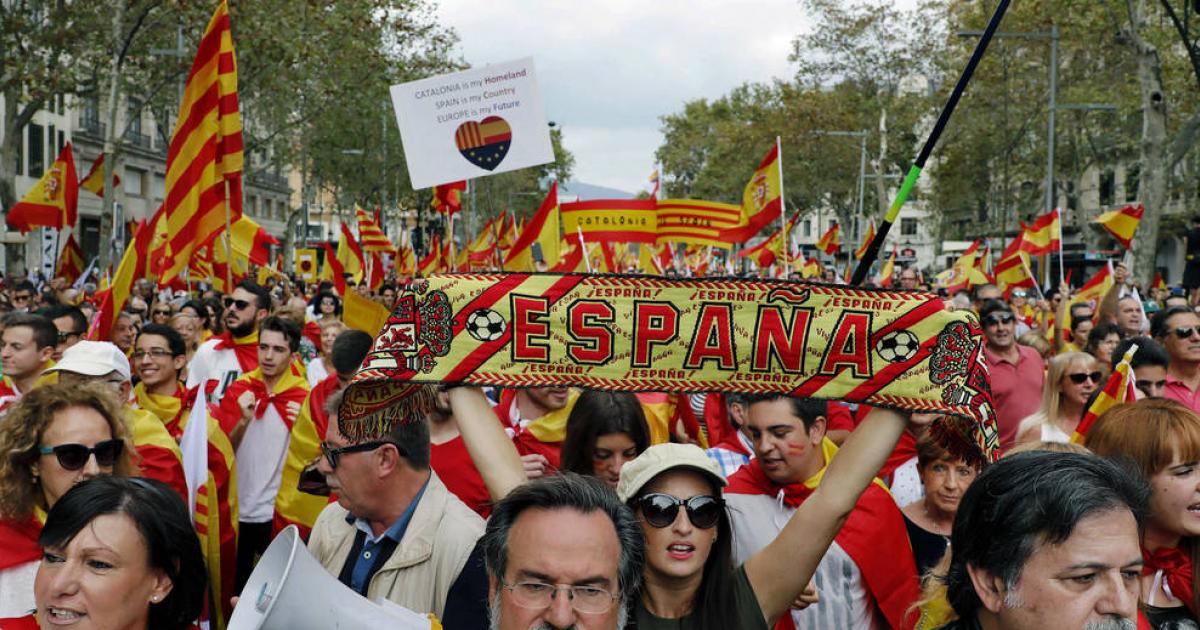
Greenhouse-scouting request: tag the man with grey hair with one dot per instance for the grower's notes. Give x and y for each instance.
(1047, 540)
(562, 552)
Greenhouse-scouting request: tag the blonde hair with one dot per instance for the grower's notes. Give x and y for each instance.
(1035, 340)
(1053, 447)
(1056, 369)
(25, 424)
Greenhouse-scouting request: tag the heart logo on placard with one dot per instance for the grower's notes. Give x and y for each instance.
(484, 143)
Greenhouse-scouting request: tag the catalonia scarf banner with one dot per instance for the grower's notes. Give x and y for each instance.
(894, 349)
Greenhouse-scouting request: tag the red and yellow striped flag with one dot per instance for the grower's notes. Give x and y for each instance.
(94, 180)
(447, 198)
(135, 264)
(1044, 236)
(70, 262)
(868, 236)
(831, 241)
(1159, 282)
(371, 234)
(889, 267)
(53, 199)
(205, 154)
(1123, 223)
(542, 229)
(1117, 390)
(432, 262)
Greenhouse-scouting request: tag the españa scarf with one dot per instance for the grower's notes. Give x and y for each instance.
(873, 535)
(291, 387)
(888, 348)
(1177, 570)
(245, 348)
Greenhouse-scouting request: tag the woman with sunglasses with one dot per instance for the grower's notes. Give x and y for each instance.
(1162, 438)
(689, 579)
(160, 312)
(54, 438)
(1071, 378)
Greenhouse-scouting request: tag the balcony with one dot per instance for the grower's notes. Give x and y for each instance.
(91, 126)
(267, 179)
(137, 139)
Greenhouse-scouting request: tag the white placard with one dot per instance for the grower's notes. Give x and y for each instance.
(473, 123)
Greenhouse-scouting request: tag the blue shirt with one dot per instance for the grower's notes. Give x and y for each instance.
(368, 555)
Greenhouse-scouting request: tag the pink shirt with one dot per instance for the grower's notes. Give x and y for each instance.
(1016, 389)
(1178, 391)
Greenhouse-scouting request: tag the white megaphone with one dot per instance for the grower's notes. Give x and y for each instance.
(290, 590)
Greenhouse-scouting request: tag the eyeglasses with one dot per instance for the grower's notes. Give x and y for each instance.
(332, 454)
(999, 318)
(1018, 293)
(21, 297)
(589, 600)
(162, 311)
(75, 456)
(155, 353)
(238, 304)
(1183, 332)
(1079, 378)
(64, 335)
(661, 509)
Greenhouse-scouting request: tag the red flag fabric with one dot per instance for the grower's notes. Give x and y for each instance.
(336, 269)
(447, 198)
(94, 180)
(53, 200)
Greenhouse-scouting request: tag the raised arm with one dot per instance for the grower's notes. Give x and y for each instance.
(1106, 312)
(782, 569)
(489, 446)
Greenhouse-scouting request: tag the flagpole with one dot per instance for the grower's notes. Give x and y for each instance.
(782, 199)
(1036, 284)
(914, 172)
(228, 244)
(1062, 274)
(583, 249)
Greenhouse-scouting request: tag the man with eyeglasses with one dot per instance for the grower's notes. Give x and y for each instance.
(71, 325)
(395, 531)
(26, 347)
(1016, 372)
(103, 362)
(868, 571)
(257, 413)
(1178, 329)
(159, 353)
(219, 361)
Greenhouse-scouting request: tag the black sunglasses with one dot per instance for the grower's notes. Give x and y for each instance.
(332, 454)
(64, 335)
(75, 456)
(999, 318)
(1183, 332)
(661, 509)
(1079, 378)
(238, 304)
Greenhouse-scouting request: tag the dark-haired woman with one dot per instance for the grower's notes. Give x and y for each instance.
(120, 554)
(605, 431)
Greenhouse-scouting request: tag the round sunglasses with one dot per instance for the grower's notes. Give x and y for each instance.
(661, 509)
(75, 456)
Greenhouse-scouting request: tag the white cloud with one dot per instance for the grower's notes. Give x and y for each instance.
(609, 69)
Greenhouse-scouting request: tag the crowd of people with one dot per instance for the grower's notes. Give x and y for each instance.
(553, 507)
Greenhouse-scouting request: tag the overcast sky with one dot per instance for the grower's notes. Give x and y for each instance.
(608, 69)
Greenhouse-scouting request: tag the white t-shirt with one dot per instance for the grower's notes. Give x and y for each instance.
(315, 371)
(210, 364)
(259, 460)
(16, 589)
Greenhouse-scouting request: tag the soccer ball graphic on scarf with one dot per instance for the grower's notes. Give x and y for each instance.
(897, 346)
(485, 325)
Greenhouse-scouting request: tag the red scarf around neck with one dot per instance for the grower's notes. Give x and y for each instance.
(1176, 566)
(291, 387)
(246, 348)
(873, 536)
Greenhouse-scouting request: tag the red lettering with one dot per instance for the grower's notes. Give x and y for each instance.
(783, 342)
(654, 324)
(848, 347)
(588, 323)
(713, 339)
(531, 331)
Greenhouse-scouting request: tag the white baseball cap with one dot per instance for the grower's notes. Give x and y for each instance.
(93, 358)
(659, 459)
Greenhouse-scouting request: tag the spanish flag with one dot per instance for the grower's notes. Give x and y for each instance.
(1013, 272)
(868, 236)
(70, 262)
(204, 161)
(886, 273)
(655, 259)
(1096, 288)
(1123, 223)
(762, 199)
(830, 241)
(250, 241)
(541, 229)
(371, 234)
(1044, 236)
(135, 264)
(94, 180)
(349, 254)
(432, 262)
(334, 270)
(53, 199)
(811, 268)
(447, 198)
(1117, 390)
(1159, 282)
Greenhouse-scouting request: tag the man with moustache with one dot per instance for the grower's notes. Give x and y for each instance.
(868, 573)
(219, 361)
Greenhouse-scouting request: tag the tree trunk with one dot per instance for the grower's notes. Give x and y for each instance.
(1152, 185)
(13, 123)
(109, 255)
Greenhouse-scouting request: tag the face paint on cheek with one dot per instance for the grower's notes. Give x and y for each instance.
(797, 449)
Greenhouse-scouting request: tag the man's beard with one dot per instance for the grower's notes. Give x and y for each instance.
(242, 330)
(622, 617)
(1012, 599)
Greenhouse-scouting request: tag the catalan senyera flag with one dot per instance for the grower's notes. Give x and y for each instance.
(447, 198)
(306, 264)
(53, 200)
(1044, 235)
(887, 272)
(70, 262)
(94, 180)
(699, 222)
(1123, 223)
(135, 264)
(762, 199)
(542, 228)
(1117, 390)
(614, 220)
(216, 520)
(868, 236)
(204, 161)
(406, 261)
(371, 234)
(831, 241)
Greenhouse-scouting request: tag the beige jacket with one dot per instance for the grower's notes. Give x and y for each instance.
(435, 547)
